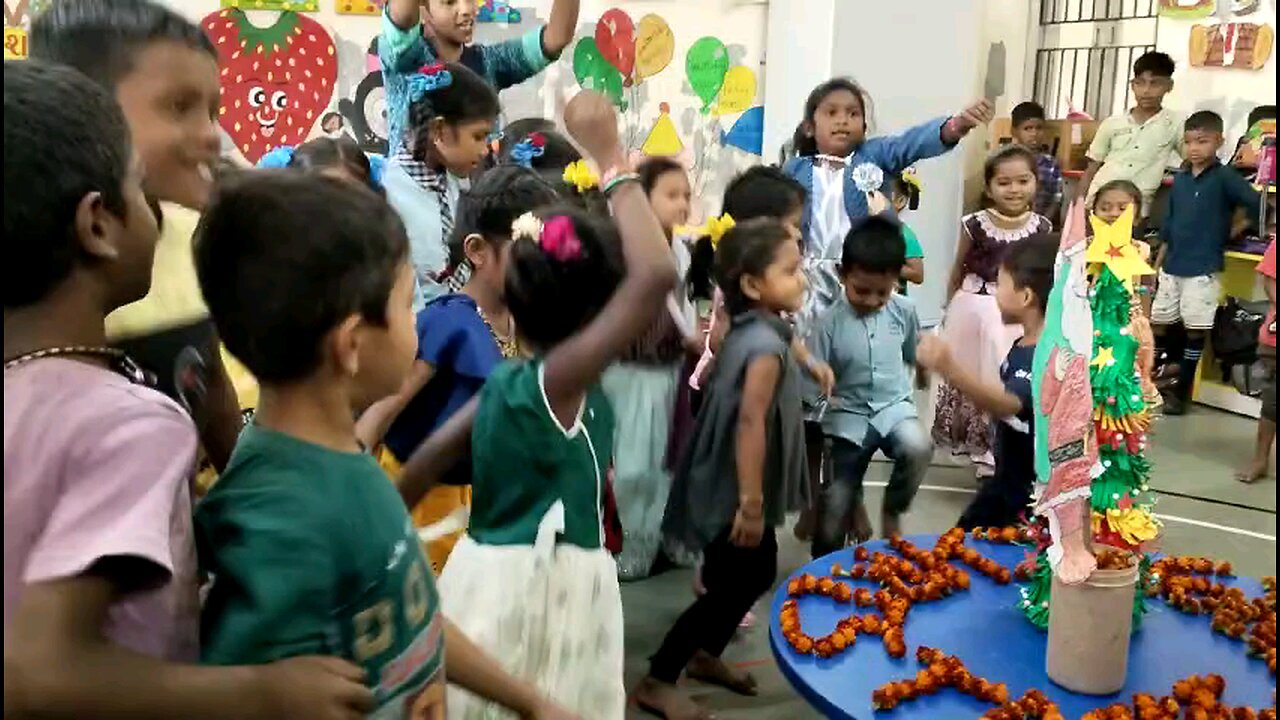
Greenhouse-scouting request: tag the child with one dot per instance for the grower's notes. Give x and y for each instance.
(150, 57)
(642, 388)
(451, 113)
(1028, 126)
(845, 175)
(339, 158)
(421, 32)
(1137, 145)
(869, 338)
(1193, 233)
(744, 468)
(1109, 203)
(309, 546)
(1257, 469)
(974, 326)
(462, 337)
(100, 588)
(906, 195)
(540, 441)
(1025, 279)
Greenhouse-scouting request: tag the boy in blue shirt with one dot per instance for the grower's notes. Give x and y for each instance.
(1195, 229)
(421, 32)
(868, 337)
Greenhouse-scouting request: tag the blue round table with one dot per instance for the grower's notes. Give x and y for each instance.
(984, 628)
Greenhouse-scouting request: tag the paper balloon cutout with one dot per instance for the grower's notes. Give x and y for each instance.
(705, 66)
(655, 46)
(737, 92)
(595, 73)
(663, 139)
(616, 41)
(748, 132)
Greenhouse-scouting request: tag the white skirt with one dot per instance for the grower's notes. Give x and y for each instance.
(550, 615)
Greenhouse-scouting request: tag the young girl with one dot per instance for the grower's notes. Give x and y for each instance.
(847, 175)
(906, 196)
(745, 466)
(461, 338)
(451, 114)
(973, 324)
(1109, 203)
(642, 389)
(541, 437)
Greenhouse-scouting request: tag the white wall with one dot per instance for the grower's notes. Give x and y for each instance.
(798, 57)
(1229, 92)
(740, 24)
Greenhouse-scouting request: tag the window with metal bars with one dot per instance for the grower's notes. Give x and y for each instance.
(1086, 52)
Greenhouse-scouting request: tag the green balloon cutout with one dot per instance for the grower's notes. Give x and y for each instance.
(705, 65)
(595, 73)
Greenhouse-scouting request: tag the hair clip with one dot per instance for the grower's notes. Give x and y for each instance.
(717, 227)
(427, 79)
(534, 145)
(910, 177)
(278, 157)
(580, 176)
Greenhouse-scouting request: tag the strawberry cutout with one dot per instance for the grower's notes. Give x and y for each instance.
(276, 81)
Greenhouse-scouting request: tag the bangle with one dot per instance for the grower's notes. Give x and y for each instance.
(613, 182)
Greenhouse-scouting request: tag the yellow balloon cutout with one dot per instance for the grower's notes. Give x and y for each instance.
(738, 91)
(655, 46)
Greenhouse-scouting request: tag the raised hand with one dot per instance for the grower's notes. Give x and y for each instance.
(979, 113)
(593, 123)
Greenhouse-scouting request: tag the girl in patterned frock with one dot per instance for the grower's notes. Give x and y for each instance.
(532, 580)
(462, 337)
(642, 388)
(973, 325)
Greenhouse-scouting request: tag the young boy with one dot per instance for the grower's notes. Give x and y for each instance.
(1137, 145)
(869, 339)
(1022, 292)
(1028, 127)
(100, 592)
(310, 548)
(164, 73)
(1193, 233)
(420, 32)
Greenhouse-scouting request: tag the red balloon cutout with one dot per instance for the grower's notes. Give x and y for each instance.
(616, 40)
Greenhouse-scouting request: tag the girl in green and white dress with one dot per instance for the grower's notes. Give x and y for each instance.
(532, 581)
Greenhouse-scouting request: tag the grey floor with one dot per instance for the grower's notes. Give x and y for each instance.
(1205, 512)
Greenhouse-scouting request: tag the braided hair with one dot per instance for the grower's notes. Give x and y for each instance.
(448, 92)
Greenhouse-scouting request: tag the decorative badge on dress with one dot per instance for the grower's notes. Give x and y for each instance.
(869, 178)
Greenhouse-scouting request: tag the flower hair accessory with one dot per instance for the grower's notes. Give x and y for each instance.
(427, 79)
(717, 227)
(560, 240)
(532, 146)
(526, 227)
(279, 157)
(910, 177)
(580, 176)
(868, 177)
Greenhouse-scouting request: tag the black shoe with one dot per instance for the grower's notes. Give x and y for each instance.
(1174, 405)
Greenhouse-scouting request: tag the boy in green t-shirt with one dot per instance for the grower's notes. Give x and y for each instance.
(906, 196)
(310, 548)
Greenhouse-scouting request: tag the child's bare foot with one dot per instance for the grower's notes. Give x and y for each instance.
(710, 669)
(861, 524)
(890, 524)
(804, 525)
(1254, 472)
(666, 700)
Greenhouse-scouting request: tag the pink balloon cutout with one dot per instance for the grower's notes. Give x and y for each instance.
(616, 40)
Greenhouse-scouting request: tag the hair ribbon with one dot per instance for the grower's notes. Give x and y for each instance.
(534, 145)
(427, 79)
(279, 157)
(580, 176)
(716, 228)
(910, 177)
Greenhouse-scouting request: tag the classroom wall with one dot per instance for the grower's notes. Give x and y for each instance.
(699, 137)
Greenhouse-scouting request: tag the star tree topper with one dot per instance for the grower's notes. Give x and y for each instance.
(1113, 248)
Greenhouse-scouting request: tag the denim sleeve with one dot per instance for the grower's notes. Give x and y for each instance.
(513, 61)
(401, 50)
(895, 153)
